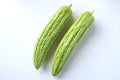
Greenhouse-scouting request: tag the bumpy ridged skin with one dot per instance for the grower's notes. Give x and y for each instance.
(71, 38)
(50, 33)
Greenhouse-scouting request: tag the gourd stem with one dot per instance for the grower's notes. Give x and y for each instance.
(93, 11)
(70, 5)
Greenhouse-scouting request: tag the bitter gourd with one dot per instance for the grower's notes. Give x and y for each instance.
(70, 39)
(50, 33)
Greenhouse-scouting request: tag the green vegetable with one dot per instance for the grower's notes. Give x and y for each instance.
(71, 38)
(50, 33)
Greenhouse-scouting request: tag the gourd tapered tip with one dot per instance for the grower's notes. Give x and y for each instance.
(53, 74)
(36, 67)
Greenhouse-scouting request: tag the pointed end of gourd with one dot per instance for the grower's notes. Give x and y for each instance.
(70, 5)
(36, 67)
(54, 70)
(53, 74)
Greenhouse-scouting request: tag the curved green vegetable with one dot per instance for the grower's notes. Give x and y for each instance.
(50, 33)
(71, 38)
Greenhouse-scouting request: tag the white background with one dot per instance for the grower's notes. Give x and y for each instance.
(97, 56)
